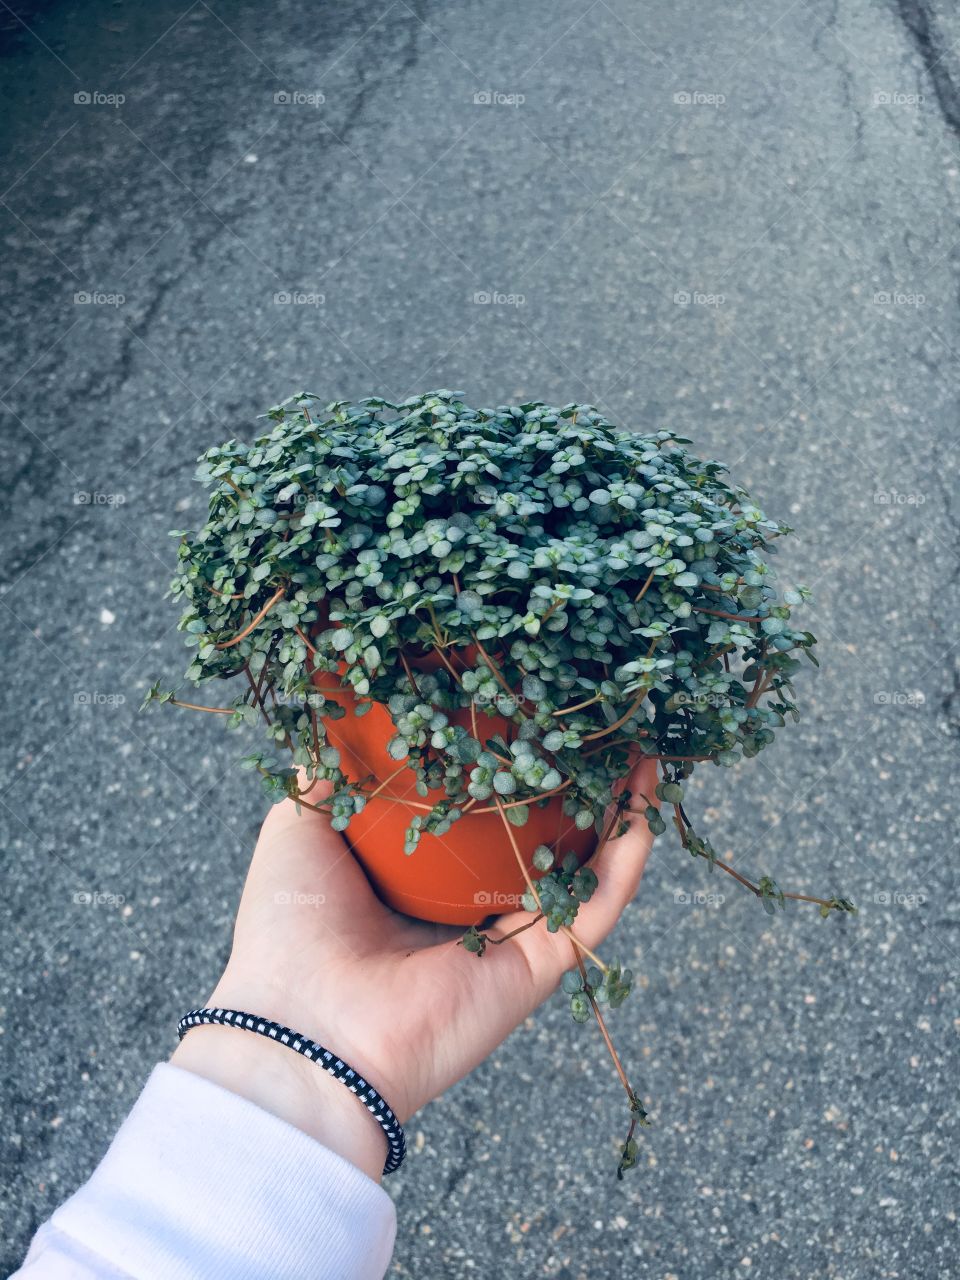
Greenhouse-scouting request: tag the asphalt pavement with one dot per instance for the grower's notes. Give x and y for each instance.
(737, 221)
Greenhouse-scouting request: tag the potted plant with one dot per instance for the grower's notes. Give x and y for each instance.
(470, 625)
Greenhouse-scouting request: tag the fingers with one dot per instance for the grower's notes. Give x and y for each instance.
(298, 843)
(619, 865)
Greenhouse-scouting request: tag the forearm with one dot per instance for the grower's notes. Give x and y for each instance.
(202, 1182)
(288, 1087)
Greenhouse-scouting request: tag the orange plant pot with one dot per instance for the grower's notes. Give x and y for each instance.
(458, 878)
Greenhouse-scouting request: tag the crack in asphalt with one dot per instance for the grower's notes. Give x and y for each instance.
(921, 23)
(101, 386)
(846, 76)
(950, 702)
(370, 79)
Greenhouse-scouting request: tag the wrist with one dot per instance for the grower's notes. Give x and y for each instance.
(285, 1084)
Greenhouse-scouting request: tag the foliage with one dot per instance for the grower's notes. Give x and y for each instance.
(606, 592)
(622, 585)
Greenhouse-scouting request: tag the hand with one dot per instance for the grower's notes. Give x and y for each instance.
(398, 999)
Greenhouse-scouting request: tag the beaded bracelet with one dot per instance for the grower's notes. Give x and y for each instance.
(330, 1063)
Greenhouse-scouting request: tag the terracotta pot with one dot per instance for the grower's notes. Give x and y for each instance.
(459, 878)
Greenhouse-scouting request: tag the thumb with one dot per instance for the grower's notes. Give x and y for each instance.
(620, 863)
(303, 815)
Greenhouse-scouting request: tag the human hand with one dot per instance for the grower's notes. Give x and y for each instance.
(396, 998)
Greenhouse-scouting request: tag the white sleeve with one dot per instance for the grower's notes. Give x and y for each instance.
(199, 1183)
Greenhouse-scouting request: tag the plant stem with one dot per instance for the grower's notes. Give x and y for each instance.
(496, 671)
(551, 611)
(513, 932)
(645, 588)
(582, 946)
(579, 706)
(192, 706)
(717, 653)
(238, 491)
(542, 795)
(617, 742)
(764, 680)
(264, 669)
(683, 824)
(316, 735)
(603, 1029)
(531, 888)
(610, 728)
(280, 592)
(718, 613)
(609, 830)
(412, 804)
(306, 803)
(311, 649)
(443, 658)
(406, 667)
(258, 701)
(436, 625)
(386, 781)
(503, 759)
(627, 715)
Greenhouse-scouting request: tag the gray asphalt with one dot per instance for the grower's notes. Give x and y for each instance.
(804, 197)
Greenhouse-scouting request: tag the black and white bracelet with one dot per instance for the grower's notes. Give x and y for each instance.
(330, 1063)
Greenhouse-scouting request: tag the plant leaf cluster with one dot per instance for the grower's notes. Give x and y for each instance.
(607, 592)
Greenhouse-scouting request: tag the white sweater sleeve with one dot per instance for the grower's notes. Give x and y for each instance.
(202, 1184)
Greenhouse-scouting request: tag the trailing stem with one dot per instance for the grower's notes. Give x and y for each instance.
(637, 1113)
(682, 823)
(531, 887)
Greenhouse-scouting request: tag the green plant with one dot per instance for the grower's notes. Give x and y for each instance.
(613, 590)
